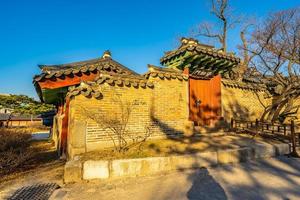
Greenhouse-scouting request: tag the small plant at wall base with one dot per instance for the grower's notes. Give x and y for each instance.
(115, 123)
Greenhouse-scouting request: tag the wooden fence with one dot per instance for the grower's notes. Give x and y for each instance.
(288, 131)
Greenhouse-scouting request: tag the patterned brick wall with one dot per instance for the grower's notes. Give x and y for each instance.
(296, 113)
(169, 104)
(162, 109)
(297, 103)
(243, 102)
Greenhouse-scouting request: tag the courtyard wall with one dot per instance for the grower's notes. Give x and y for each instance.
(159, 107)
(243, 100)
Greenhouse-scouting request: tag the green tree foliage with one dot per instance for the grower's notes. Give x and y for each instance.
(22, 104)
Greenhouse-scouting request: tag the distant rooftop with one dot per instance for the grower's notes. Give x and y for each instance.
(105, 63)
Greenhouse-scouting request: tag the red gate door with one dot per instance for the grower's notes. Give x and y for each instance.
(205, 100)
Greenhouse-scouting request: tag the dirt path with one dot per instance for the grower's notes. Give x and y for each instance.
(48, 173)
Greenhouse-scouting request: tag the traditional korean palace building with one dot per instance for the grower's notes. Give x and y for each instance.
(195, 86)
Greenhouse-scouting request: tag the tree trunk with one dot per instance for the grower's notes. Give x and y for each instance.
(279, 109)
(224, 38)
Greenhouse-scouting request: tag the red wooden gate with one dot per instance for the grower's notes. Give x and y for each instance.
(205, 100)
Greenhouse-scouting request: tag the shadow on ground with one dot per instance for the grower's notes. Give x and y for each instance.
(205, 187)
(277, 178)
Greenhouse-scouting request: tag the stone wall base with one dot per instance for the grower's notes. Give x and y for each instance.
(77, 170)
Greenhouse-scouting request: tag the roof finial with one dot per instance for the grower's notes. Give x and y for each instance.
(106, 54)
(189, 41)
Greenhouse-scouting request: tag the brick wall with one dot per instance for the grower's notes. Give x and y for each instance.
(169, 105)
(242, 102)
(162, 109)
(297, 103)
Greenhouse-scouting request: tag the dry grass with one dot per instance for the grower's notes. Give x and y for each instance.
(30, 129)
(18, 153)
(179, 146)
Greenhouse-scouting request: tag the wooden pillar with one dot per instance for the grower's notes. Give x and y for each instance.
(65, 123)
(293, 139)
(256, 126)
(186, 71)
(232, 123)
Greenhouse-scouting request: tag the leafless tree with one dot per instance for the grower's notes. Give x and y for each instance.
(245, 30)
(223, 13)
(275, 46)
(220, 9)
(115, 123)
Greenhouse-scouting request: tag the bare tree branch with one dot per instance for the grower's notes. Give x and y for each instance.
(275, 47)
(220, 9)
(117, 122)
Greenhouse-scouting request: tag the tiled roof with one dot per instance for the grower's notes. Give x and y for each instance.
(192, 45)
(163, 73)
(202, 74)
(88, 88)
(243, 85)
(106, 64)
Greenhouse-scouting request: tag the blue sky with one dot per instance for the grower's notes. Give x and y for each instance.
(136, 31)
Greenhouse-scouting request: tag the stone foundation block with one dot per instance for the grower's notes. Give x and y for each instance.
(77, 170)
(189, 128)
(141, 167)
(72, 152)
(235, 155)
(204, 159)
(95, 170)
(126, 168)
(156, 165)
(282, 149)
(264, 151)
(268, 150)
(73, 171)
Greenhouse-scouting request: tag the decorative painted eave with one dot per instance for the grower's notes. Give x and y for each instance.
(202, 74)
(57, 78)
(165, 73)
(196, 48)
(194, 55)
